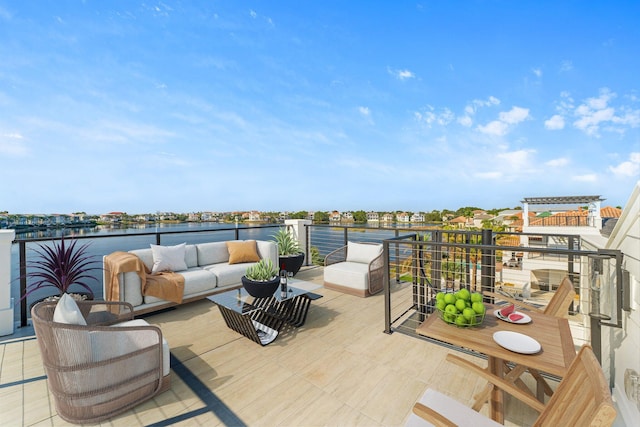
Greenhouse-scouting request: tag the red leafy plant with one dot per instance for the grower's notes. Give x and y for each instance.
(61, 266)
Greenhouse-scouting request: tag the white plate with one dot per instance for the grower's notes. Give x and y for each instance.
(517, 342)
(525, 318)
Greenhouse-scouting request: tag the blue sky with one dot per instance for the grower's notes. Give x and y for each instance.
(193, 106)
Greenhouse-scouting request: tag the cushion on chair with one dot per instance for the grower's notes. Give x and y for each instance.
(243, 251)
(362, 252)
(165, 344)
(67, 311)
(350, 274)
(450, 408)
(168, 258)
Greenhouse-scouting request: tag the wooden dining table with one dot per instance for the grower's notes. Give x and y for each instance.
(553, 333)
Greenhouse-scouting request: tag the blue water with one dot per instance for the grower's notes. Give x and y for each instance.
(325, 239)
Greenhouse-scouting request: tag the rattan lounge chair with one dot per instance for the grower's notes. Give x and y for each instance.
(104, 368)
(355, 269)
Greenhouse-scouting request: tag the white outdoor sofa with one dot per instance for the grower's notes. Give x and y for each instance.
(207, 272)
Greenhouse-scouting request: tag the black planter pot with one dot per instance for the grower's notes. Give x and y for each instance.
(260, 289)
(291, 263)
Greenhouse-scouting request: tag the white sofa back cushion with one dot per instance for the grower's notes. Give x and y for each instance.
(212, 253)
(362, 252)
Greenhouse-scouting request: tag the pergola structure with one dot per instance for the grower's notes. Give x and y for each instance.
(564, 202)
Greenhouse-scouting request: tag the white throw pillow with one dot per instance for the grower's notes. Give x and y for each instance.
(67, 311)
(362, 252)
(168, 258)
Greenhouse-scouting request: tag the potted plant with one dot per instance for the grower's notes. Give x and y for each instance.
(290, 256)
(261, 279)
(62, 266)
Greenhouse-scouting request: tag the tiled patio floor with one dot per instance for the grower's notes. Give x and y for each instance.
(339, 369)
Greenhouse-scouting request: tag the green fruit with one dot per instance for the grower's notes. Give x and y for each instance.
(464, 294)
(449, 298)
(449, 318)
(451, 309)
(478, 307)
(461, 321)
(476, 297)
(440, 296)
(461, 304)
(469, 314)
(440, 305)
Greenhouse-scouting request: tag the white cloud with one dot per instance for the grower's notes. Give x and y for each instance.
(496, 128)
(537, 72)
(501, 127)
(11, 144)
(364, 111)
(591, 177)
(556, 122)
(401, 74)
(489, 175)
(431, 117)
(562, 161)
(515, 115)
(516, 160)
(465, 121)
(253, 13)
(566, 66)
(629, 168)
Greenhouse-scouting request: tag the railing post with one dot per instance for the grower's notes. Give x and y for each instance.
(346, 236)
(6, 302)
(22, 249)
(387, 288)
(487, 281)
(297, 228)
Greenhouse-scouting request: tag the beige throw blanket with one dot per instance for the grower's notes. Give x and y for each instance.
(166, 285)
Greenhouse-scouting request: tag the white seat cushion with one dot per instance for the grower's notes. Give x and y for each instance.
(351, 274)
(450, 408)
(165, 344)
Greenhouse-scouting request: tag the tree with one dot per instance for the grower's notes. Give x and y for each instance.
(300, 215)
(320, 217)
(360, 216)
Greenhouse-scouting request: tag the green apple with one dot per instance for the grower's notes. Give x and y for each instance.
(449, 318)
(440, 296)
(469, 314)
(464, 294)
(461, 321)
(451, 309)
(461, 304)
(476, 297)
(449, 298)
(478, 307)
(440, 305)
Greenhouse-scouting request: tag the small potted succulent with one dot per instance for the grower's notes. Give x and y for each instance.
(61, 266)
(261, 279)
(290, 256)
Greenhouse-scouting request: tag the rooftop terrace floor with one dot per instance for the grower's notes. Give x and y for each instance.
(339, 369)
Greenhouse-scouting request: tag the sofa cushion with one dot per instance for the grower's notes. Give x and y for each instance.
(242, 251)
(191, 256)
(67, 311)
(196, 280)
(212, 253)
(132, 288)
(362, 252)
(228, 274)
(351, 274)
(168, 258)
(145, 255)
(165, 344)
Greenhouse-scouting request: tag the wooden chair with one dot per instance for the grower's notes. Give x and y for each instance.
(105, 367)
(582, 399)
(558, 307)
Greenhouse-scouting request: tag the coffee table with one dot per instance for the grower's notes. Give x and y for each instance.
(261, 319)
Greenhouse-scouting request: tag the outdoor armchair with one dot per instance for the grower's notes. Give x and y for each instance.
(105, 367)
(356, 269)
